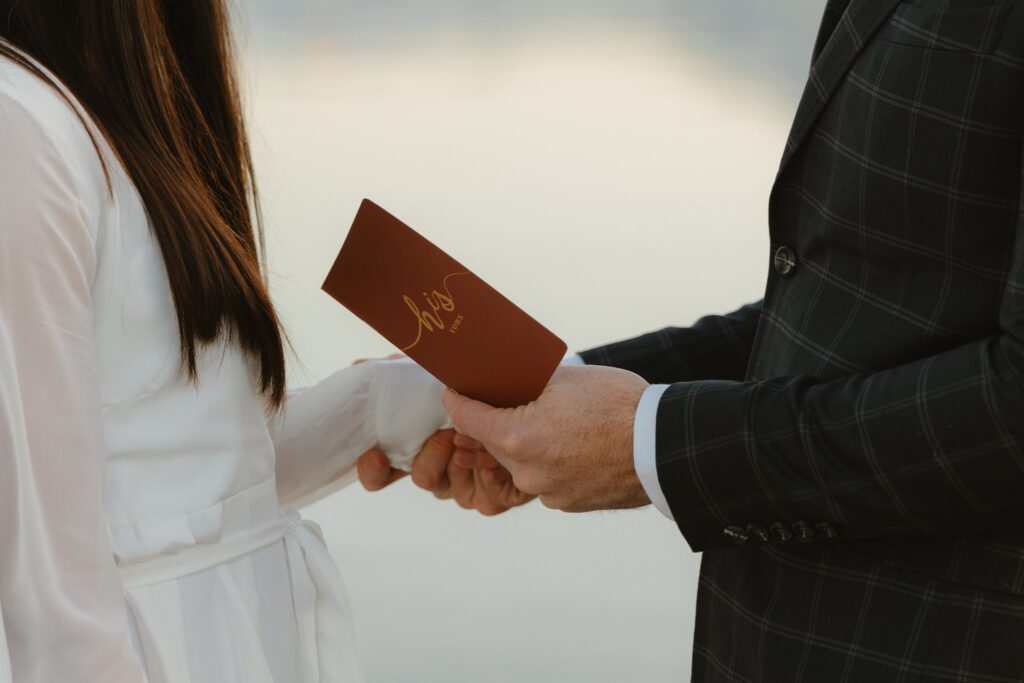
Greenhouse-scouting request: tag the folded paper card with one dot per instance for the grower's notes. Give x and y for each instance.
(459, 328)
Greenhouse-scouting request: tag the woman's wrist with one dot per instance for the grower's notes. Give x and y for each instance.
(407, 409)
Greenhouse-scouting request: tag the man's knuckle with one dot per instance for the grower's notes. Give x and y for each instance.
(425, 480)
(527, 482)
(551, 502)
(513, 444)
(490, 509)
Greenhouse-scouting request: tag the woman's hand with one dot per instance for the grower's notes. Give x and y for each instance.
(451, 467)
(376, 473)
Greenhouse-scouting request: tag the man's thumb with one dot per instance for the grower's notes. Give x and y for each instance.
(469, 417)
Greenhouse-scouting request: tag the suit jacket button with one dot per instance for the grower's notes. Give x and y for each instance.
(757, 533)
(803, 531)
(781, 532)
(736, 534)
(784, 261)
(827, 530)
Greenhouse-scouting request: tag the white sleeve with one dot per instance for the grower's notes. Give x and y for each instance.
(323, 429)
(645, 453)
(64, 608)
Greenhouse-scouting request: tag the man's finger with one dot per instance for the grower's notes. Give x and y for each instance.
(463, 485)
(474, 459)
(498, 475)
(375, 471)
(429, 469)
(466, 459)
(468, 442)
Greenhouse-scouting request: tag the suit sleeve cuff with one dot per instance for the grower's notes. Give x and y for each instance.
(645, 452)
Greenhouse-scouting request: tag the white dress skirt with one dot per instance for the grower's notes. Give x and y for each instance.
(147, 525)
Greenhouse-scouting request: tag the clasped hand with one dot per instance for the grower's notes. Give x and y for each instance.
(572, 448)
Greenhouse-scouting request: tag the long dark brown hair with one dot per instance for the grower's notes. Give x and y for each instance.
(158, 79)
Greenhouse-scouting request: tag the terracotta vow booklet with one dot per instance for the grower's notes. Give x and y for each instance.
(437, 312)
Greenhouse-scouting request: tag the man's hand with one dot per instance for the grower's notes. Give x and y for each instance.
(472, 479)
(573, 446)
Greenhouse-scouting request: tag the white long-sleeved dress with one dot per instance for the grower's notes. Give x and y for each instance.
(142, 533)
(5, 659)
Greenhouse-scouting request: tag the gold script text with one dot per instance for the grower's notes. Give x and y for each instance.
(430, 313)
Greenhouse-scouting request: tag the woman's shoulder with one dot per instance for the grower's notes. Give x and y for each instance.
(41, 127)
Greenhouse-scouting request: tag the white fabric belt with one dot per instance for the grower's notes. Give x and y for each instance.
(201, 557)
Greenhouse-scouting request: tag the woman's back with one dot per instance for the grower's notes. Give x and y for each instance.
(174, 450)
(118, 459)
(53, 517)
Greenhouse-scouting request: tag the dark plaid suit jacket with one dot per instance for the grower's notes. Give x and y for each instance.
(849, 452)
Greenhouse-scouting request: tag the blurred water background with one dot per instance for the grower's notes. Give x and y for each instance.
(604, 163)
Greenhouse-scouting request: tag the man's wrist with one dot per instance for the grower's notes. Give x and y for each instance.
(645, 451)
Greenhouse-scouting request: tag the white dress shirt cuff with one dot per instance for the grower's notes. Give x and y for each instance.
(645, 452)
(573, 360)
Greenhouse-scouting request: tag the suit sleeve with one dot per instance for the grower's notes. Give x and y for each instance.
(716, 347)
(931, 448)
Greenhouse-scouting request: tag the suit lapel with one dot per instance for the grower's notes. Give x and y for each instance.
(834, 9)
(845, 29)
